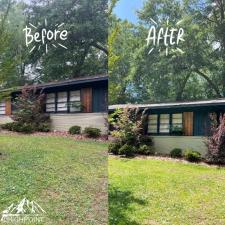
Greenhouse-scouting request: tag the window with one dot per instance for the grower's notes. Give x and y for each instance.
(177, 120)
(50, 102)
(165, 123)
(65, 101)
(164, 126)
(2, 108)
(62, 102)
(75, 102)
(153, 123)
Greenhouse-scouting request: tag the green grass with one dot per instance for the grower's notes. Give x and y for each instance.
(68, 178)
(156, 192)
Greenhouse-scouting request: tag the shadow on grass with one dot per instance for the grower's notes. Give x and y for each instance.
(121, 205)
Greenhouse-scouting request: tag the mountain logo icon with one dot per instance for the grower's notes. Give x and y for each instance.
(25, 211)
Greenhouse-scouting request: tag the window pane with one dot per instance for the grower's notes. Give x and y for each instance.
(62, 107)
(62, 97)
(177, 116)
(75, 96)
(177, 120)
(153, 119)
(164, 123)
(152, 123)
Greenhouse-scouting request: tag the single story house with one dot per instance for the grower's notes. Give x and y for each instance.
(179, 124)
(81, 101)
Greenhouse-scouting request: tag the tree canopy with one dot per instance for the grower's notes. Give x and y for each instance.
(198, 72)
(86, 54)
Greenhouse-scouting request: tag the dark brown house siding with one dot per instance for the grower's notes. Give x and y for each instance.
(86, 100)
(188, 123)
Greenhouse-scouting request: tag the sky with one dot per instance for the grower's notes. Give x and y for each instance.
(125, 9)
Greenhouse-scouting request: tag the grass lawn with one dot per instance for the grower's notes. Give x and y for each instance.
(157, 192)
(67, 178)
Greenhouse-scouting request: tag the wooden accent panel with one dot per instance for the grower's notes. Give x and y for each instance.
(86, 100)
(188, 123)
(8, 107)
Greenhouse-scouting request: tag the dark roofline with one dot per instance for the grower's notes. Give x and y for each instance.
(75, 81)
(173, 105)
(80, 80)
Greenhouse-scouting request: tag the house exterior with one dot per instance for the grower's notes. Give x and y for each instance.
(179, 124)
(80, 101)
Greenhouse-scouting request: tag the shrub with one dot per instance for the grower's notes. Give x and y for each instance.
(43, 127)
(216, 142)
(92, 132)
(29, 112)
(192, 156)
(146, 150)
(114, 147)
(75, 130)
(176, 153)
(24, 128)
(128, 128)
(19, 127)
(146, 140)
(127, 150)
(8, 126)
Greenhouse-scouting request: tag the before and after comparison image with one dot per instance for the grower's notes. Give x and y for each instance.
(112, 112)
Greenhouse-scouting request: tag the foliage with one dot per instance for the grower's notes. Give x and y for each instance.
(75, 130)
(29, 115)
(8, 126)
(216, 142)
(198, 73)
(192, 156)
(113, 117)
(127, 150)
(146, 150)
(114, 147)
(86, 23)
(176, 153)
(128, 130)
(92, 132)
(26, 128)
(146, 140)
(86, 53)
(175, 130)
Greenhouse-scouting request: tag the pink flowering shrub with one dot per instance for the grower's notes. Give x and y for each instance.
(216, 142)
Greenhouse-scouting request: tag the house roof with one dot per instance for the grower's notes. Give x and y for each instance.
(78, 80)
(212, 102)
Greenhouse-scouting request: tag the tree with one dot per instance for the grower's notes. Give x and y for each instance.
(86, 23)
(216, 142)
(198, 73)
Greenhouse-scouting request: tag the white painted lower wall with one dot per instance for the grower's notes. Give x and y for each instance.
(62, 122)
(164, 144)
(5, 119)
